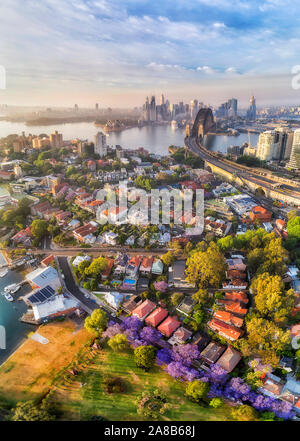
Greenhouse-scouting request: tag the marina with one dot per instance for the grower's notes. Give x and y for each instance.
(12, 309)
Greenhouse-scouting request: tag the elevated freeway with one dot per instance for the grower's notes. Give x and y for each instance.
(274, 187)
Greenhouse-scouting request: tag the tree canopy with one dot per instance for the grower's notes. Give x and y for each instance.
(97, 322)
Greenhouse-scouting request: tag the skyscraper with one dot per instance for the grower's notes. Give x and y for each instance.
(269, 145)
(294, 161)
(251, 113)
(193, 109)
(152, 109)
(56, 140)
(100, 144)
(162, 100)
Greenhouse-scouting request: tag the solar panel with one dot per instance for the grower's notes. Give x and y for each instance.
(42, 295)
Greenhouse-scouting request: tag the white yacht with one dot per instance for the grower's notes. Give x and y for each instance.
(3, 272)
(11, 288)
(8, 297)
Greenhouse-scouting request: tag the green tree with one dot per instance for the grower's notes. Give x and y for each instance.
(201, 296)
(29, 411)
(97, 322)
(207, 268)
(118, 342)
(244, 413)
(271, 299)
(144, 356)
(197, 390)
(96, 267)
(265, 339)
(177, 298)
(293, 227)
(168, 258)
(225, 243)
(216, 402)
(39, 228)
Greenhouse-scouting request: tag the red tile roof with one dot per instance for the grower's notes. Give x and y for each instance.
(47, 260)
(225, 330)
(229, 359)
(156, 317)
(144, 309)
(168, 326)
(228, 318)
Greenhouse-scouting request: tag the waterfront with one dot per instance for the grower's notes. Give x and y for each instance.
(156, 139)
(10, 312)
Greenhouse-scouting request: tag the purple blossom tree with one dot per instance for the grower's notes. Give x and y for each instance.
(150, 335)
(179, 371)
(132, 322)
(218, 374)
(163, 356)
(113, 330)
(185, 354)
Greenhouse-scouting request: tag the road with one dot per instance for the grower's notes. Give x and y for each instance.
(97, 251)
(72, 285)
(261, 181)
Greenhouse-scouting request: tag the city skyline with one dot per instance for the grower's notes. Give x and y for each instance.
(116, 53)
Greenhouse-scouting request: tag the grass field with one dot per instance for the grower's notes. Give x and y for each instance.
(31, 369)
(85, 396)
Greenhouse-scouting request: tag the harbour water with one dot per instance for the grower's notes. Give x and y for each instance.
(10, 312)
(155, 139)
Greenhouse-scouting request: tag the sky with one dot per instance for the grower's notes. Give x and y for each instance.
(116, 52)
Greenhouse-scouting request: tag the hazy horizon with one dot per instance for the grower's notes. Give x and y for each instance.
(116, 52)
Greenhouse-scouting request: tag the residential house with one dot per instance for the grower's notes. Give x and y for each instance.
(226, 331)
(201, 340)
(85, 233)
(73, 224)
(143, 283)
(157, 267)
(132, 303)
(228, 318)
(177, 275)
(156, 317)
(212, 353)
(181, 336)
(235, 302)
(186, 306)
(144, 309)
(24, 237)
(146, 265)
(42, 277)
(133, 266)
(58, 306)
(108, 269)
(114, 299)
(230, 359)
(110, 238)
(121, 262)
(168, 326)
(48, 260)
(260, 214)
(272, 386)
(40, 208)
(79, 259)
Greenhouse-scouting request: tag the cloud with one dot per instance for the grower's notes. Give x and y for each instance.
(105, 45)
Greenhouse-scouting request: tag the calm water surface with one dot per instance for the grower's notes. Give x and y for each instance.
(155, 139)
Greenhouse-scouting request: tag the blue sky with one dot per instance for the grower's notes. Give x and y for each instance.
(116, 52)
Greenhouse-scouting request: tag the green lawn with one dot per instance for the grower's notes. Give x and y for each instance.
(82, 402)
